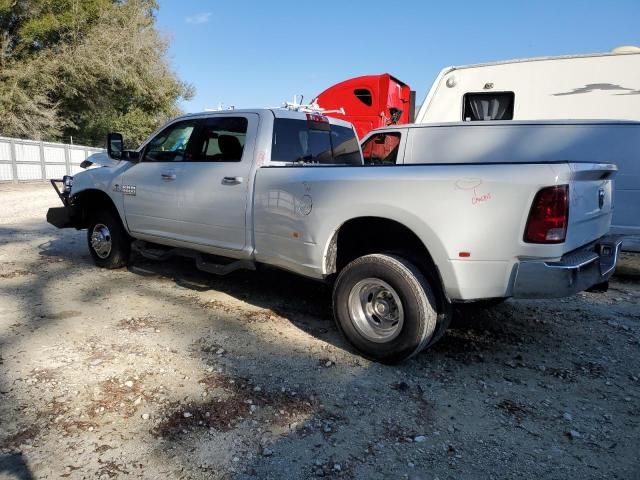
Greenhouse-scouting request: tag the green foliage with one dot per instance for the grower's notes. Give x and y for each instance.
(82, 68)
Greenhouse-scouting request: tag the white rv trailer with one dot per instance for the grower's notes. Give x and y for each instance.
(595, 86)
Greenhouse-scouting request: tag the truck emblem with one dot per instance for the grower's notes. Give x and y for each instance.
(125, 189)
(601, 198)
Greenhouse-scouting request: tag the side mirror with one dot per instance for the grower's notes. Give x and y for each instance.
(115, 145)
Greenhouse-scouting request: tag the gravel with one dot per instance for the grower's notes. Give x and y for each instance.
(162, 371)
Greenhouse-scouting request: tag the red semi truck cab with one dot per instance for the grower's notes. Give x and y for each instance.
(370, 101)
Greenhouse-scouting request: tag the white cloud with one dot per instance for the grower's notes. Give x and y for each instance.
(199, 18)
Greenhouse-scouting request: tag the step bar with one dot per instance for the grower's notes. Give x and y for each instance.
(158, 253)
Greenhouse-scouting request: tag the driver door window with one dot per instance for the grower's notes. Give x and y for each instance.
(171, 145)
(381, 149)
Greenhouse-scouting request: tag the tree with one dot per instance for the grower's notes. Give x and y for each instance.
(94, 66)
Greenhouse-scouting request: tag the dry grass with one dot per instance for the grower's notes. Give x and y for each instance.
(21, 437)
(43, 375)
(14, 274)
(117, 397)
(111, 469)
(138, 324)
(223, 414)
(253, 316)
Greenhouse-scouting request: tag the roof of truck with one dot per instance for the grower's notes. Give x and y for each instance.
(276, 112)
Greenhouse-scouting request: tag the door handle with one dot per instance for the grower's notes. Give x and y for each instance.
(168, 176)
(231, 180)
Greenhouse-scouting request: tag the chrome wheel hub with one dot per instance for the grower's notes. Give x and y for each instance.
(376, 310)
(101, 240)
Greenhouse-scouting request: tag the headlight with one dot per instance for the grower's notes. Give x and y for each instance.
(68, 183)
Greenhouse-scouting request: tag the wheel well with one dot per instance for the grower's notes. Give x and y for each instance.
(89, 201)
(366, 235)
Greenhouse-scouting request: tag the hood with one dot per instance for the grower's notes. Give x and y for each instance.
(100, 159)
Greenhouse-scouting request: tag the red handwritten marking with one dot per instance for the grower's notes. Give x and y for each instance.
(479, 199)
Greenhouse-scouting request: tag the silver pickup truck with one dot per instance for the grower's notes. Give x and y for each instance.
(399, 242)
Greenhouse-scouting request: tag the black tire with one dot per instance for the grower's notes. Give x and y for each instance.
(415, 295)
(120, 243)
(445, 316)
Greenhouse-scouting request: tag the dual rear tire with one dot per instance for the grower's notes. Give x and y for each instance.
(387, 309)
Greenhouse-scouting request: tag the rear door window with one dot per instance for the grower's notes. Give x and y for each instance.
(307, 141)
(381, 149)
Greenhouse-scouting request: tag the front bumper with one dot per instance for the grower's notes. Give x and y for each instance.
(574, 272)
(68, 216)
(64, 217)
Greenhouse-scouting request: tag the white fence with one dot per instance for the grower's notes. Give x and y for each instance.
(32, 160)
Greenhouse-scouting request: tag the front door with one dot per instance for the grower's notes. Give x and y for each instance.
(213, 185)
(149, 187)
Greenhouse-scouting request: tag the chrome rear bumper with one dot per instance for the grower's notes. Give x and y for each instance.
(574, 272)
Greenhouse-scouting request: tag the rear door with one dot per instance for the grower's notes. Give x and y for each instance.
(149, 187)
(212, 188)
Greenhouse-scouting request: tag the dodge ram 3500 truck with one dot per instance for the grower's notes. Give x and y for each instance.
(399, 242)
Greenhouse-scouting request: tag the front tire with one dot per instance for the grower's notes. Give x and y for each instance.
(109, 244)
(385, 307)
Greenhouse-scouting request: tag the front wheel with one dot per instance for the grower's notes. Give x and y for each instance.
(385, 307)
(108, 241)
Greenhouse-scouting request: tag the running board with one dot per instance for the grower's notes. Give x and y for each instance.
(148, 251)
(159, 253)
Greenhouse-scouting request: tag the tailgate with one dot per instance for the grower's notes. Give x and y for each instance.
(591, 202)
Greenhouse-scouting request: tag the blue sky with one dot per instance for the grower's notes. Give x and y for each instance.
(251, 53)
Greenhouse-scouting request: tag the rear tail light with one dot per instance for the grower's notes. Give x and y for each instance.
(549, 216)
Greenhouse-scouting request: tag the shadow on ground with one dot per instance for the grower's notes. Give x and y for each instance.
(477, 400)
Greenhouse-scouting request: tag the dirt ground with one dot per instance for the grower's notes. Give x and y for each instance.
(160, 371)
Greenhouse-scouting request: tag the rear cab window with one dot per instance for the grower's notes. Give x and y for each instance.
(314, 141)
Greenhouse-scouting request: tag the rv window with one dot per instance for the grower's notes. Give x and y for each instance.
(364, 96)
(381, 149)
(488, 106)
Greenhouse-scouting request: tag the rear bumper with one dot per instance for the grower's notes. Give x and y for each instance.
(64, 217)
(574, 272)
